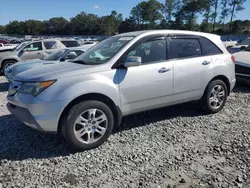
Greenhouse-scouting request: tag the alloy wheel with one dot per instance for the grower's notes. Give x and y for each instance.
(90, 126)
(217, 96)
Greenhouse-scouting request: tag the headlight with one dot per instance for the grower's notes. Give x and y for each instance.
(35, 88)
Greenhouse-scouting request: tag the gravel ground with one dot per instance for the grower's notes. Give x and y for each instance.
(172, 147)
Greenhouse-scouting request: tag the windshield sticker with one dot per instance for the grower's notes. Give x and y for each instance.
(125, 38)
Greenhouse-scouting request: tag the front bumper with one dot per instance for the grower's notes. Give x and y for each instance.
(35, 113)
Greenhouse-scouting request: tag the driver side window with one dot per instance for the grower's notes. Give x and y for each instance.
(153, 50)
(36, 46)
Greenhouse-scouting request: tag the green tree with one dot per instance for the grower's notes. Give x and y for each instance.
(2, 29)
(110, 24)
(237, 27)
(136, 15)
(84, 24)
(225, 11)
(15, 27)
(215, 5)
(189, 11)
(170, 8)
(147, 12)
(235, 7)
(33, 27)
(56, 25)
(127, 25)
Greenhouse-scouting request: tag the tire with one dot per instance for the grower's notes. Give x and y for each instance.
(90, 129)
(214, 95)
(7, 63)
(229, 49)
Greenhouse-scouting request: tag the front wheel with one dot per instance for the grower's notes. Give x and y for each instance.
(215, 96)
(88, 125)
(7, 64)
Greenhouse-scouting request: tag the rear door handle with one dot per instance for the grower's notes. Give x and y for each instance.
(206, 63)
(163, 70)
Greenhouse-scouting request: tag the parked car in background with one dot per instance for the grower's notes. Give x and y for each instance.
(242, 66)
(6, 47)
(125, 74)
(229, 44)
(34, 50)
(62, 55)
(241, 46)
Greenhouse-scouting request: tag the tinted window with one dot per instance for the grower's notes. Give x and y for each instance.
(34, 47)
(209, 48)
(153, 50)
(78, 52)
(50, 45)
(70, 43)
(56, 55)
(184, 48)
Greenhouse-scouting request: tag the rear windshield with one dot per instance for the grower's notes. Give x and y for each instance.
(69, 43)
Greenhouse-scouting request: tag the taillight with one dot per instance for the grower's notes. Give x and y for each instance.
(233, 59)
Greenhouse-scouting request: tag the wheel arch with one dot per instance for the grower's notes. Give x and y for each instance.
(5, 60)
(92, 96)
(224, 79)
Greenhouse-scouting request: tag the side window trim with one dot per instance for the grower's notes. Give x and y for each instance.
(184, 37)
(205, 51)
(119, 63)
(41, 44)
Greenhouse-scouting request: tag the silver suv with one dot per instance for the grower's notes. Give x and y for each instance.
(34, 50)
(128, 73)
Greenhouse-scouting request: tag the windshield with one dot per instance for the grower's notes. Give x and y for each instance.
(104, 51)
(20, 46)
(245, 42)
(56, 55)
(247, 48)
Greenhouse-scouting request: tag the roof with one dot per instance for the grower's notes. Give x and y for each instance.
(148, 32)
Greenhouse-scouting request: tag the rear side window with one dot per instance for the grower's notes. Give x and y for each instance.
(184, 48)
(209, 48)
(50, 45)
(70, 43)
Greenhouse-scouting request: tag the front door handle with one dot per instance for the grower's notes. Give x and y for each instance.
(163, 70)
(206, 63)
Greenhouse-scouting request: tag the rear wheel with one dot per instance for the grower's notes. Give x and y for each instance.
(88, 125)
(215, 96)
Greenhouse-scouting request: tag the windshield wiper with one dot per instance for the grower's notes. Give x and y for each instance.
(85, 63)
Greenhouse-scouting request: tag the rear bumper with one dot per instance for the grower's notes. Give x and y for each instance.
(232, 84)
(243, 78)
(36, 113)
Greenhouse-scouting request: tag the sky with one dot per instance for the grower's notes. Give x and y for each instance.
(44, 9)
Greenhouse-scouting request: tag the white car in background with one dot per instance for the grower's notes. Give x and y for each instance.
(241, 46)
(242, 66)
(34, 50)
(7, 47)
(63, 55)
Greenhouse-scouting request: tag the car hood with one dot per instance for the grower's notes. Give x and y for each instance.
(26, 65)
(242, 58)
(8, 53)
(59, 70)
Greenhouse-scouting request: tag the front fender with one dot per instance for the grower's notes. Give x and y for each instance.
(70, 88)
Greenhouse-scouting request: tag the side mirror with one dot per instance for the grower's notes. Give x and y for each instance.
(62, 59)
(133, 61)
